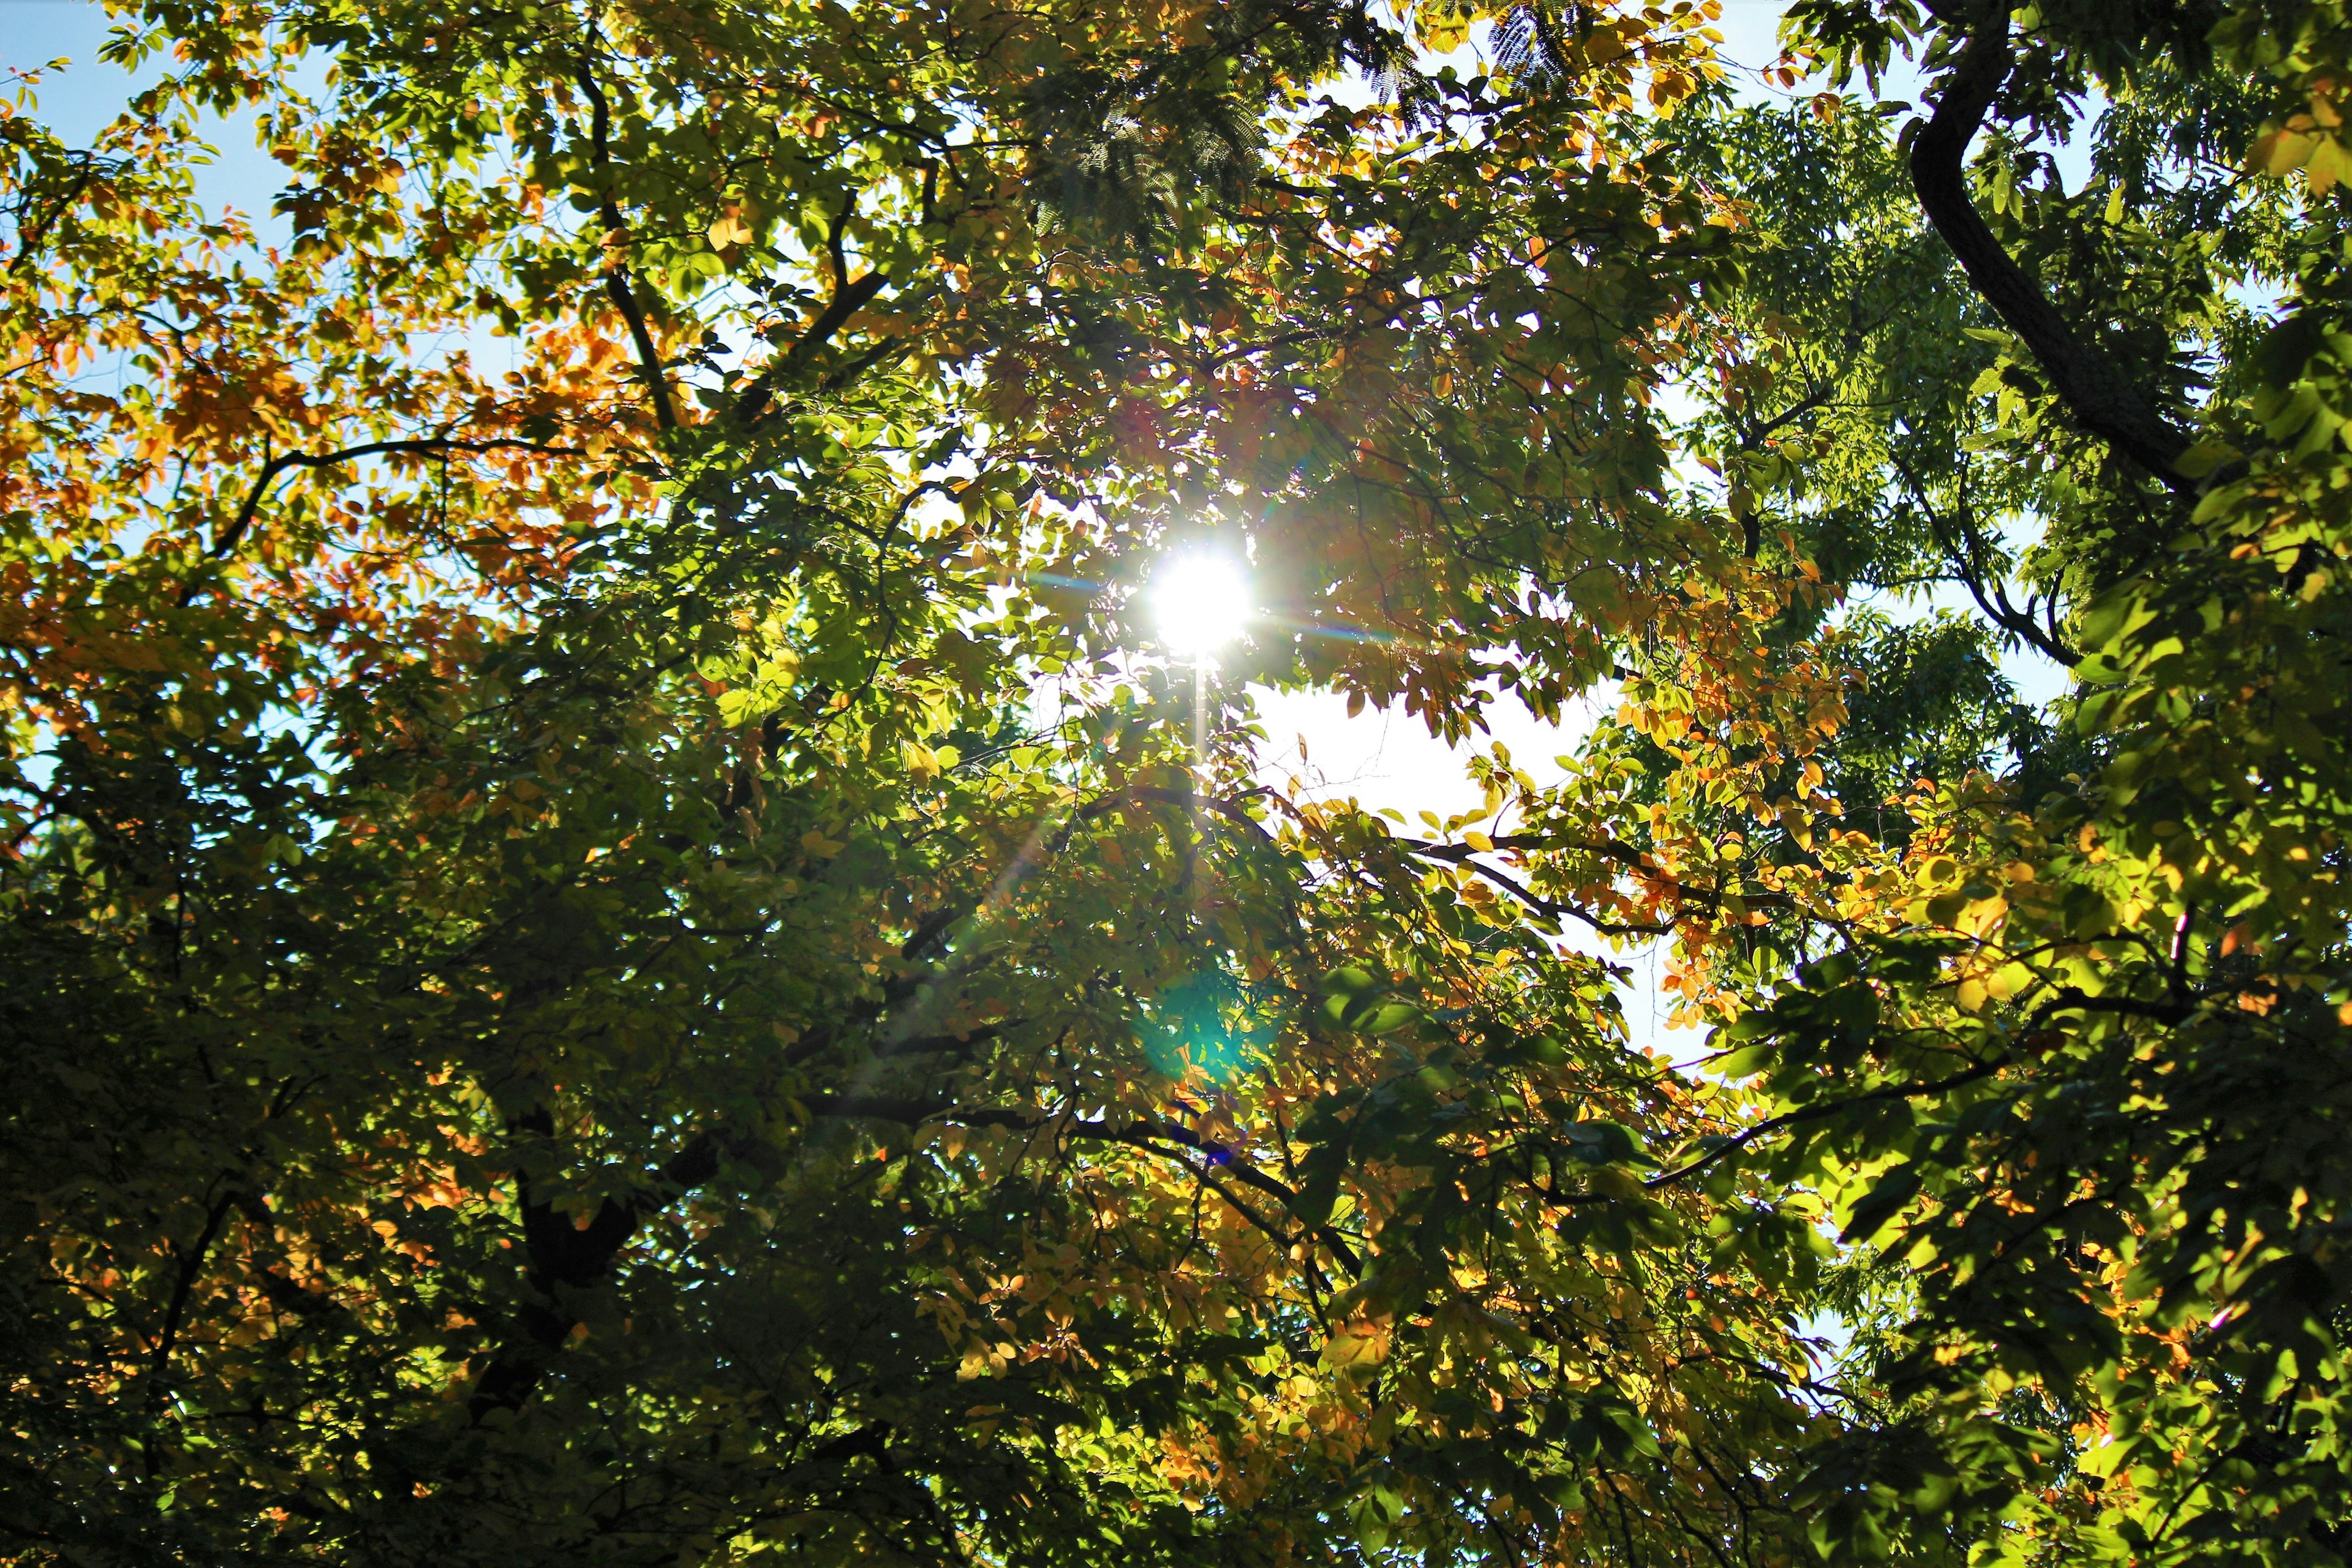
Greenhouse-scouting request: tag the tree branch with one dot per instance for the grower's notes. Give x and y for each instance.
(426, 447)
(849, 297)
(1966, 550)
(29, 239)
(616, 241)
(1148, 1136)
(2085, 380)
(2071, 999)
(192, 1263)
(565, 1257)
(1462, 855)
(1816, 1112)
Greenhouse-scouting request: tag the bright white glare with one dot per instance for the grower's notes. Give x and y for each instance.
(1201, 603)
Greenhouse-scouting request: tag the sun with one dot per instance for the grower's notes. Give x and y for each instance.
(1200, 601)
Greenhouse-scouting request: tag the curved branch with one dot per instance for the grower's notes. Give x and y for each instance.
(1153, 1136)
(2084, 378)
(29, 240)
(436, 446)
(1964, 550)
(616, 239)
(1816, 1112)
(1704, 899)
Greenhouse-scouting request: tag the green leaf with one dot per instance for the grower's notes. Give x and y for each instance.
(1892, 1191)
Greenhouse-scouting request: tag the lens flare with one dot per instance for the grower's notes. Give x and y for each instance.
(1201, 603)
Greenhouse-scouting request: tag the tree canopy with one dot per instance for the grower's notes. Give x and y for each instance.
(621, 943)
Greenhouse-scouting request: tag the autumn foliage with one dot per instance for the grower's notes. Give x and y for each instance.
(621, 946)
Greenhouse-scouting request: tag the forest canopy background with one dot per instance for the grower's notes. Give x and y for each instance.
(567, 1000)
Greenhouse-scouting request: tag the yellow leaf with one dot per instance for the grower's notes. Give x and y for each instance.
(2330, 164)
(1363, 1342)
(2282, 151)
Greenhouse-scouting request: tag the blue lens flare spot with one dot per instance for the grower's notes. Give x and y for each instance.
(1204, 1024)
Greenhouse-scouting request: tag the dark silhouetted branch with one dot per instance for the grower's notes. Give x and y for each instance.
(2084, 378)
(435, 446)
(616, 241)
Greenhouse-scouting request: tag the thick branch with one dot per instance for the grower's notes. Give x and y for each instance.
(849, 297)
(565, 1257)
(2071, 999)
(183, 1284)
(846, 301)
(939, 1045)
(2085, 380)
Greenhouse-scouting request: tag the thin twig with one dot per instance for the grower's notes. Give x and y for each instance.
(1816, 1112)
(617, 242)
